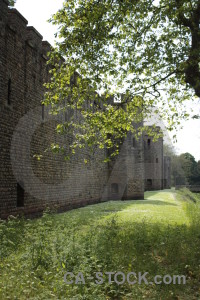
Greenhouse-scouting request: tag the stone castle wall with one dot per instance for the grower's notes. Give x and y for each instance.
(28, 185)
(153, 160)
(167, 172)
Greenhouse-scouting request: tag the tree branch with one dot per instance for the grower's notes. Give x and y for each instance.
(183, 20)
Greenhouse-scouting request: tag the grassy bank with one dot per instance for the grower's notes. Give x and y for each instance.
(159, 235)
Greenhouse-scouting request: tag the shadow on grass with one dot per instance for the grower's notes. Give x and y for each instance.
(155, 202)
(142, 202)
(124, 205)
(86, 216)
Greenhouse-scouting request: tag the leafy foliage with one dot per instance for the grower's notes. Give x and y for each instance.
(12, 2)
(184, 168)
(147, 51)
(190, 167)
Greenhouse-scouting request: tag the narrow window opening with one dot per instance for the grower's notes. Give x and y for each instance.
(114, 188)
(149, 143)
(149, 182)
(156, 160)
(43, 112)
(20, 195)
(9, 92)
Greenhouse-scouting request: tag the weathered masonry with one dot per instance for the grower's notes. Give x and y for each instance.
(157, 167)
(27, 185)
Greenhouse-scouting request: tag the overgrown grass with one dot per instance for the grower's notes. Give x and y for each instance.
(159, 235)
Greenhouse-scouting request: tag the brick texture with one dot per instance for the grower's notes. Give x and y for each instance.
(28, 186)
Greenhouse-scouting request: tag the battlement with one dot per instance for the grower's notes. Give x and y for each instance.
(15, 17)
(23, 57)
(34, 37)
(13, 20)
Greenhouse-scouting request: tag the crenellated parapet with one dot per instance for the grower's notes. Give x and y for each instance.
(23, 57)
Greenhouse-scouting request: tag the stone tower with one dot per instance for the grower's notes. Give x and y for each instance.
(153, 163)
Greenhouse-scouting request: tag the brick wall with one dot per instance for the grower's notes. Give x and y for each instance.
(167, 173)
(27, 185)
(153, 163)
(52, 181)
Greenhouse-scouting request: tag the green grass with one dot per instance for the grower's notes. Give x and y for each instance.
(158, 207)
(159, 235)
